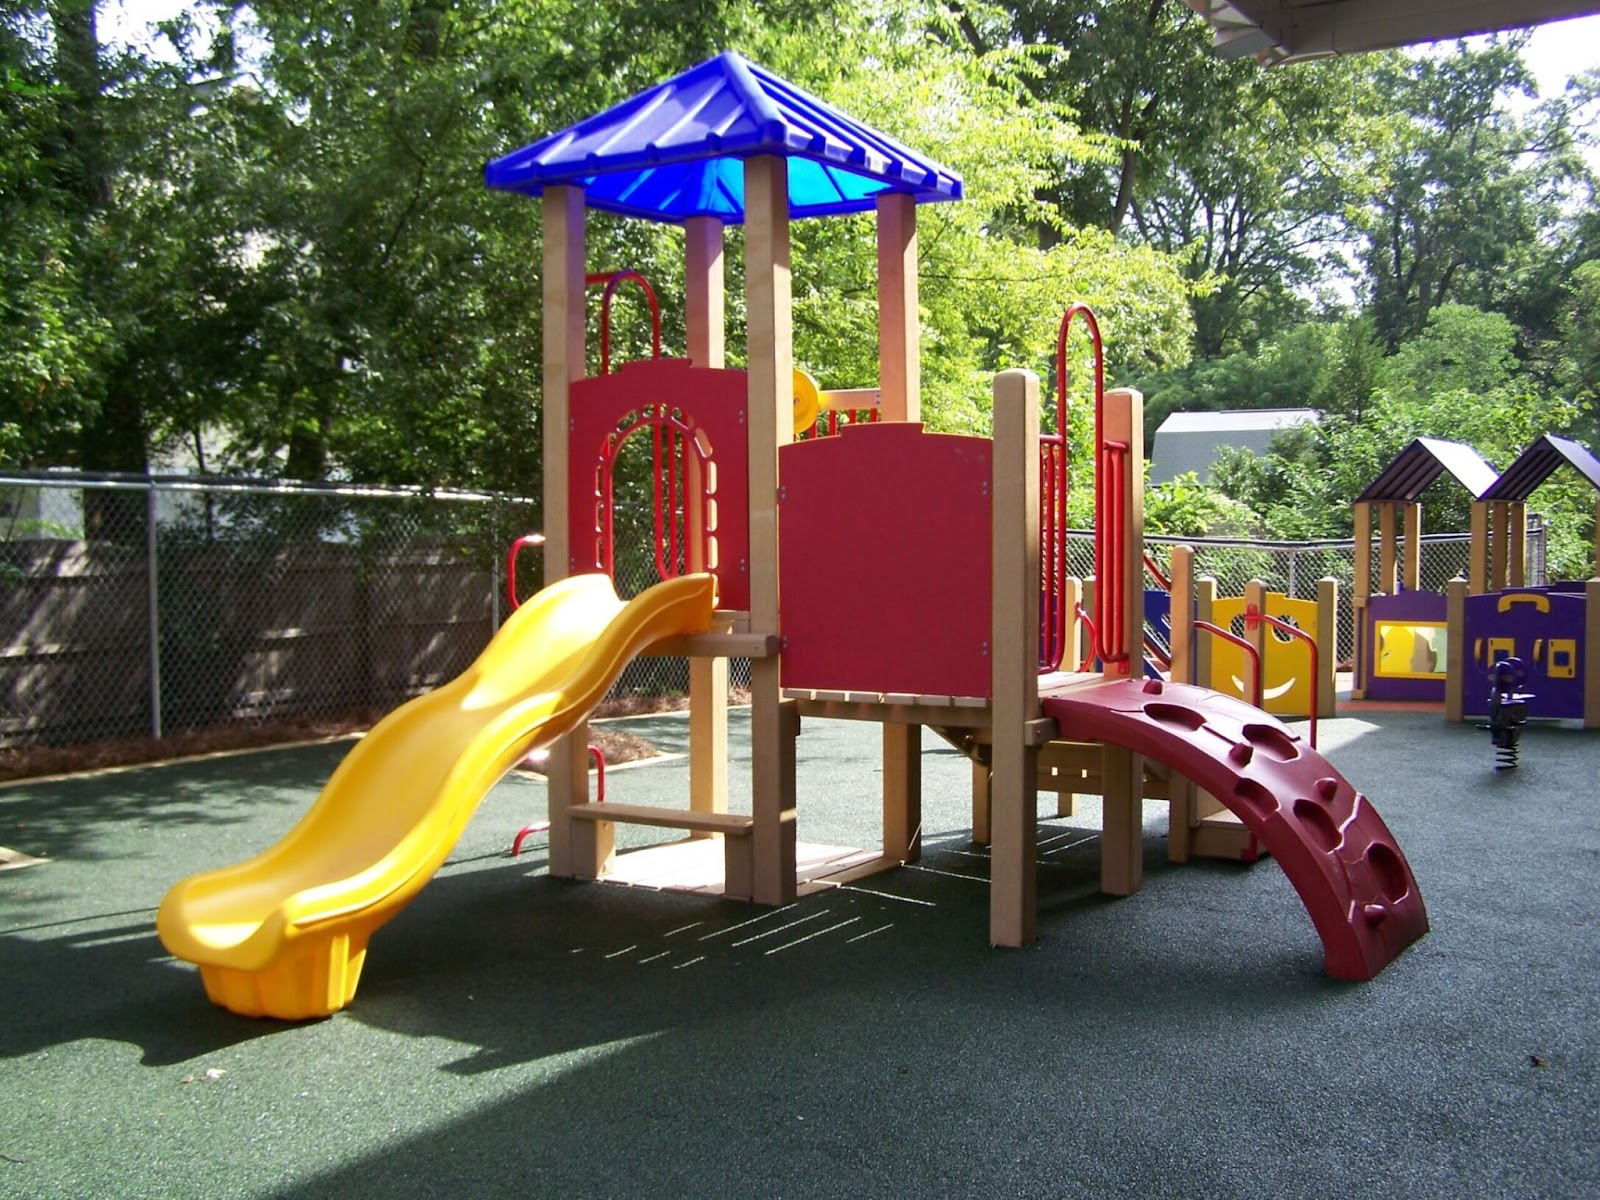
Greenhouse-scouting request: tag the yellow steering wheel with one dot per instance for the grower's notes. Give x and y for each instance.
(807, 401)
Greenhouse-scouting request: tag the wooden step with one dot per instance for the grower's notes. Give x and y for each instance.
(728, 824)
(737, 845)
(1224, 836)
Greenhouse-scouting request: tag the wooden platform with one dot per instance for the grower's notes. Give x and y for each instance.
(696, 865)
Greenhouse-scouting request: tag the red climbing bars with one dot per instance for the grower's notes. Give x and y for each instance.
(614, 280)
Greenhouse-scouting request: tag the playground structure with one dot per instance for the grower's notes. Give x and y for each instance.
(1554, 629)
(943, 603)
(1399, 628)
(1427, 646)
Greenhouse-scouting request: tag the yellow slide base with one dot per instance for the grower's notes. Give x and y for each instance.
(316, 979)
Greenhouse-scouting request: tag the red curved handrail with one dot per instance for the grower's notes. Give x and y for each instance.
(1110, 487)
(526, 540)
(1088, 660)
(671, 437)
(614, 280)
(1254, 616)
(1255, 655)
(1156, 573)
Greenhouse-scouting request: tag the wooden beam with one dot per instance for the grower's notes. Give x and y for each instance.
(1327, 689)
(1455, 652)
(1478, 550)
(1387, 539)
(1591, 655)
(902, 791)
(1361, 584)
(1517, 554)
(1499, 543)
(899, 368)
(1411, 552)
(567, 768)
(770, 423)
(1014, 659)
(704, 291)
(1124, 422)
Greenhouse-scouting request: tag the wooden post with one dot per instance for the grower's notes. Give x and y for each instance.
(980, 803)
(1181, 791)
(1205, 600)
(1386, 548)
(1517, 557)
(1181, 572)
(1258, 635)
(1411, 552)
(902, 791)
(1013, 656)
(1124, 422)
(1499, 540)
(1327, 687)
(1591, 654)
(899, 368)
(567, 768)
(1360, 593)
(1478, 550)
(1455, 647)
(704, 320)
(770, 354)
(1121, 770)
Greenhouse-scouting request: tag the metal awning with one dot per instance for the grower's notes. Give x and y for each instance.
(1273, 31)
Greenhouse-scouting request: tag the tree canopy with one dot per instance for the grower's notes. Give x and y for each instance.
(260, 238)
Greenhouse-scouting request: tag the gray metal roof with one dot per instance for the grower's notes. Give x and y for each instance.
(1536, 464)
(1423, 461)
(1287, 30)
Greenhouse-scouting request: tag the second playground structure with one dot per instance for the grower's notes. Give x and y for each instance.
(883, 574)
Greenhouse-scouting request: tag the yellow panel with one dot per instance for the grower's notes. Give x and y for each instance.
(1410, 649)
(1288, 688)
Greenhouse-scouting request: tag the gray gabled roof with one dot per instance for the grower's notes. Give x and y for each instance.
(1536, 464)
(1423, 461)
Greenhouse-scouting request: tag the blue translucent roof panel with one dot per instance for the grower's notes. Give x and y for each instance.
(677, 151)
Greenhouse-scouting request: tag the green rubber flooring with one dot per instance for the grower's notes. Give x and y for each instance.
(516, 1035)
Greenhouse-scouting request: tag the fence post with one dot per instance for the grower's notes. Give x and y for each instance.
(152, 598)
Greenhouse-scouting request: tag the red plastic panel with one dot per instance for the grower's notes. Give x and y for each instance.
(1330, 841)
(712, 401)
(884, 561)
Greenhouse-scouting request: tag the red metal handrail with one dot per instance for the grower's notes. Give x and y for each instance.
(600, 798)
(613, 280)
(1247, 647)
(1156, 573)
(526, 540)
(1088, 660)
(1254, 616)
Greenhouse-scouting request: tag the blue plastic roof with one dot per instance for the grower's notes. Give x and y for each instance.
(1538, 462)
(677, 151)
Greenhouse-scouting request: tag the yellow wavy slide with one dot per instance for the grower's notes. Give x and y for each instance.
(284, 934)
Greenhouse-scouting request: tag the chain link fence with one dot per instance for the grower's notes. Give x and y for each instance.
(137, 606)
(140, 606)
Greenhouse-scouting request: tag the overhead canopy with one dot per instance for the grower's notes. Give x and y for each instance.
(676, 151)
(1536, 464)
(1287, 30)
(1423, 461)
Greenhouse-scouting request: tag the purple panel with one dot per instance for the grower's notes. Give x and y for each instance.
(1405, 607)
(1545, 630)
